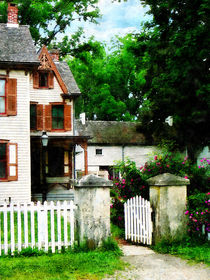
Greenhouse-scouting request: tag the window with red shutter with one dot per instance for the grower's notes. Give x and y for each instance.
(43, 79)
(48, 117)
(40, 117)
(8, 97)
(8, 161)
(67, 117)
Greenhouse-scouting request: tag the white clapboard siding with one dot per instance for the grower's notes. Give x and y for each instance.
(138, 224)
(46, 227)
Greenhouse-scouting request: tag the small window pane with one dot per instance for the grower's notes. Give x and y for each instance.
(12, 171)
(43, 79)
(2, 87)
(3, 168)
(3, 160)
(98, 151)
(12, 154)
(58, 117)
(33, 116)
(3, 151)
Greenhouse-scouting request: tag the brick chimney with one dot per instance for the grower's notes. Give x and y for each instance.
(12, 13)
(54, 54)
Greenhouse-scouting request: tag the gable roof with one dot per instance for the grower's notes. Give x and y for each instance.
(62, 73)
(111, 132)
(16, 46)
(68, 78)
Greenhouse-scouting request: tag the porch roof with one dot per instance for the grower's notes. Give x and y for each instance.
(63, 139)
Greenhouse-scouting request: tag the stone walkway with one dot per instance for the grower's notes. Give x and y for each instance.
(145, 264)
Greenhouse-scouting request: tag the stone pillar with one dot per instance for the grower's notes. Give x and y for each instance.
(92, 197)
(168, 198)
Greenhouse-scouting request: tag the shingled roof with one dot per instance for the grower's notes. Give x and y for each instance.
(111, 132)
(67, 77)
(16, 46)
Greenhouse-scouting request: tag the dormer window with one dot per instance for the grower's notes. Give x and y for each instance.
(43, 79)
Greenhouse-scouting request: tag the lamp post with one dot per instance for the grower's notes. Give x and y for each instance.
(44, 139)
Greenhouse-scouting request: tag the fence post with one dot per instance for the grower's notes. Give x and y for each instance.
(92, 197)
(168, 198)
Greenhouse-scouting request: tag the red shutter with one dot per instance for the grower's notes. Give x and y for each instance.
(12, 97)
(36, 79)
(67, 117)
(12, 162)
(51, 80)
(48, 117)
(40, 114)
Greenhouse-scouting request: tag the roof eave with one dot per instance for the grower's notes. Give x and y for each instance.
(19, 65)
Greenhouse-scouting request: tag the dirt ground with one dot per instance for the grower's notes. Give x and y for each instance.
(145, 264)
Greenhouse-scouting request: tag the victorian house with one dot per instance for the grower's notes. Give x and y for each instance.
(37, 138)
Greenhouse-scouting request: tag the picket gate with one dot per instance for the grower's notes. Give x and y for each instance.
(47, 226)
(138, 222)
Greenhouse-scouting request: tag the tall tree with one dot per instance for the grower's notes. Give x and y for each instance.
(108, 80)
(51, 17)
(177, 81)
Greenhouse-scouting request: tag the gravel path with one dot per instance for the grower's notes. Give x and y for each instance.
(145, 264)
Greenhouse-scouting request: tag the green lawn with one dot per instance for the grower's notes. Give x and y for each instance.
(82, 265)
(193, 250)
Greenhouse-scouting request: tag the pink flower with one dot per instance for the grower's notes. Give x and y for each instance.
(168, 165)
(196, 212)
(201, 160)
(111, 206)
(131, 180)
(185, 177)
(201, 213)
(186, 212)
(183, 162)
(199, 166)
(185, 158)
(155, 157)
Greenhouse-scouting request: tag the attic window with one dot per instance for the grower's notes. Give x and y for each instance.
(98, 151)
(43, 79)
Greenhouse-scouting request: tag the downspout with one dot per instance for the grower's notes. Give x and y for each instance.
(123, 152)
(74, 149)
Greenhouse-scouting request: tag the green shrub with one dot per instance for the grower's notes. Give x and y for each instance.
(198, 212)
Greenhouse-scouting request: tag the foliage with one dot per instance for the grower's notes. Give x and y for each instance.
(81, 265)
(133, 180)
(108, 78)
(129, 185)
(190, 249)
(198, 212)
(176, 47)
(50, 18)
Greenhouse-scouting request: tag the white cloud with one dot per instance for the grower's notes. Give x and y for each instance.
(118, 18)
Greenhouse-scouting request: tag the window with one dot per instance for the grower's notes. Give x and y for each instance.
(3, 161)
(8, 97)
(43, 79)
(60, 167)
(98, 151)
(33, 117)
(8, 161)
(57, 117)
(2, 96)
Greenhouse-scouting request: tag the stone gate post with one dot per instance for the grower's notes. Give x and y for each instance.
(92, 197)
(168, 198)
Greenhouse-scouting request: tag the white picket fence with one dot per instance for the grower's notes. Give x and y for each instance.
(138, 224)
(46, 227)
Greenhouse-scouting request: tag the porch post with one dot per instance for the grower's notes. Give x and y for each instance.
(84, 146)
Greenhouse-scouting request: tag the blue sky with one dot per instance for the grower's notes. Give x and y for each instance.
(117, 19)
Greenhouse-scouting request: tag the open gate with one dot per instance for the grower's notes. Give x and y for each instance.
(138, 222)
